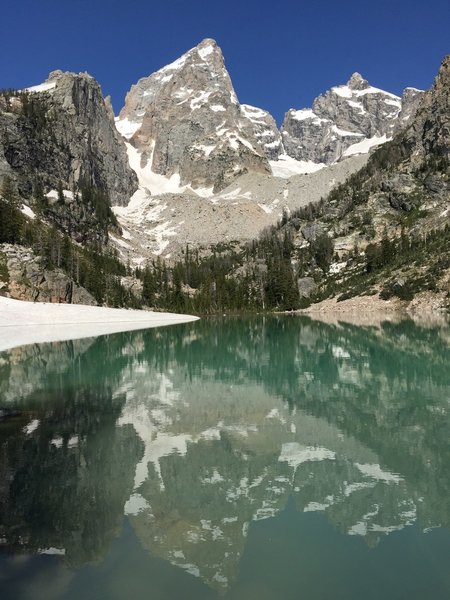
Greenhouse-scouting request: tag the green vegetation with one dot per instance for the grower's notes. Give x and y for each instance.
(91, 267)
(401, 267)
(11, 219)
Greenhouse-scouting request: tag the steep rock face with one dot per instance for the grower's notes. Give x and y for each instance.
(63, 131)
(185, 121)
(429, 133)
(266, 130)
(411, 99)
(348, 119)
(28, 278)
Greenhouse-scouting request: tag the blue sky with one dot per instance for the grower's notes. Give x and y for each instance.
(280, 54)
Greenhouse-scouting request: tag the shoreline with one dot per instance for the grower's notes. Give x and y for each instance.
(425, 309)
(23, 323)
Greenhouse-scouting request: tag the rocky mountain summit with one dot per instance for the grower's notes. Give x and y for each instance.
(185, 122)
(411, 100)
(348, 119)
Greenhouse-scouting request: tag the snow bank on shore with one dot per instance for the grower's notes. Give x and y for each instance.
(36, 322)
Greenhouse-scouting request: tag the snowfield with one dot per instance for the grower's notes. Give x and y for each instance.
(37, 322)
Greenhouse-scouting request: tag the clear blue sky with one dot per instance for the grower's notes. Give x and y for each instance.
(280, 54)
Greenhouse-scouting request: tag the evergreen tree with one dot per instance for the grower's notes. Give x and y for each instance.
(11, 219)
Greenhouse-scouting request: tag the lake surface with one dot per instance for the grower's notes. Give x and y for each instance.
(241, 458)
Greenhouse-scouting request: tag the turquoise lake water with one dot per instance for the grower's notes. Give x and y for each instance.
(240, 458)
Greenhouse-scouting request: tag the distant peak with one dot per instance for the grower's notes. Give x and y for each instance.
(357, 82)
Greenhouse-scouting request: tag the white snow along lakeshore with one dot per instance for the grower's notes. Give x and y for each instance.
(24, 323)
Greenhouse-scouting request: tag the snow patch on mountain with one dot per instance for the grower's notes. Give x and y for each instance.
(365, 145)
(43, 87)
(126, 128)
(287, 167)
(153, 182)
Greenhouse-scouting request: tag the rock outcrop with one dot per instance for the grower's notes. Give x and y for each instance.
(266, 130)
(63, 131)
(24, 276)
(429, 133)
(411, 99)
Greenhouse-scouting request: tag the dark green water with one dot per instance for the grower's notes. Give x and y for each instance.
(258, 459)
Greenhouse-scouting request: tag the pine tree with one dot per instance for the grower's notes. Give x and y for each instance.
(61, 199)
(148, 287)
(11, 219)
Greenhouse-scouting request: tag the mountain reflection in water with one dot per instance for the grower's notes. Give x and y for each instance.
(195, 432)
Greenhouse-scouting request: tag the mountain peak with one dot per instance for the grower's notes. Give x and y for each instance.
(357, 82)
(208, 42)
(185, 121)
(208, 47)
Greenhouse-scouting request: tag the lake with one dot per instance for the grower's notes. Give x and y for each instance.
(255, 458)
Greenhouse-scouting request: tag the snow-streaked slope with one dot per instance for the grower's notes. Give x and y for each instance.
(149, 180)
(365, 145)
(266, 131)
(163, 224)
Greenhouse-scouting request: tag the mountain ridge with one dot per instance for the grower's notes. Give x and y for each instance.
(369, 120)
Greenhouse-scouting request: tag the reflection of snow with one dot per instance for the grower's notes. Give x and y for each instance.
(191, 569)
(363, 527)
(216, 477)
(220, 579)
(213, 433)
(73, 442)
(53, 551)
(275, 414)
(360, 485)
(376, 472)
(229, 520)
(295, 454)
(315, 506)
(358, 529)
(148, 423)
(136, 504)
(32, 426)
(244, 465)
(264, 513)
(216, 532)
(339, 352)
